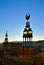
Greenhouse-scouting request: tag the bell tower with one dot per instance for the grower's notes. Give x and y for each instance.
(27, 32)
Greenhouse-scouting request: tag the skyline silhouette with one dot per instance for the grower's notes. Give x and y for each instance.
(12, 18)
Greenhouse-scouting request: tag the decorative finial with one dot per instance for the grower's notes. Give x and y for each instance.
(27, 16)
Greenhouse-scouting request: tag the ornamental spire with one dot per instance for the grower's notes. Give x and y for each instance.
(6, 34)
(27, 16)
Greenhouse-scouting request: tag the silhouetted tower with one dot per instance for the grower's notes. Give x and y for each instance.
(6, 39)
(5, 49)
(27, 32)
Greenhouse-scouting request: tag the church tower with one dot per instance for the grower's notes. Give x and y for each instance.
(5, 43)
(5, 49)
(27, 32)
(6, 39)
(27, 49)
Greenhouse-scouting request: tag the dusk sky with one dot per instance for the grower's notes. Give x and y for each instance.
(12, 18)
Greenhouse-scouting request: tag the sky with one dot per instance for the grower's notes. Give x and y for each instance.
(12, 18)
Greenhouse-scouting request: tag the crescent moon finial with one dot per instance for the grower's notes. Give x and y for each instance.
(27, 16)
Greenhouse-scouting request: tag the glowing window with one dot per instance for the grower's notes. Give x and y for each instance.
(25, 32)
(30, 32)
